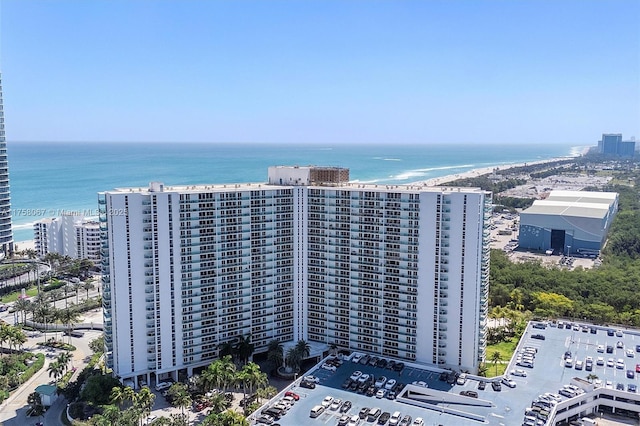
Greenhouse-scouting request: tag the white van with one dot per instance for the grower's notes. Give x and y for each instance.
(588, 422)
(162, 386)
(316, 411)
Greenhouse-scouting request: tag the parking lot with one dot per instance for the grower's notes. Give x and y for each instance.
(440, 402)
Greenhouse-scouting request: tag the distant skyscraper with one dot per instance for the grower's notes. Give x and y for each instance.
(6, 234)
(612, 144)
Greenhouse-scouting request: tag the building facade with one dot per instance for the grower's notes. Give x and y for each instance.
(568, 222)
(395, 270)
(69, 235)
(612, 144)
(6, 233)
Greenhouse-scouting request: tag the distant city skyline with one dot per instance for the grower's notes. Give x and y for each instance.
(320, 71)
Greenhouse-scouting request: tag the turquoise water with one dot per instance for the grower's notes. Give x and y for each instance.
(47, 178)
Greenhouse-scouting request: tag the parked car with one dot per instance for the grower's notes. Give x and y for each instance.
(384, 418)
(519, 372)
(316, 411)
(509, 382)
(406, 420)
(538, 336)
(469, 393)
(327, 366)
(496, 386)
(462, 379)
(308, 385)
(327, 401)
(346, 406)
(482, 384)
(292, 395)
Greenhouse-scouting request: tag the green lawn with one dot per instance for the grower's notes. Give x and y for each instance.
(12, 297)
(506, 350)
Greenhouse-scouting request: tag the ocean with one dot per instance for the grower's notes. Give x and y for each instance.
(49, 178)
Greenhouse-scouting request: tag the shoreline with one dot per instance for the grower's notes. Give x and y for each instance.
(485, 171)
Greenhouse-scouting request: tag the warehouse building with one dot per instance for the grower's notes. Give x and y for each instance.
(568, 222)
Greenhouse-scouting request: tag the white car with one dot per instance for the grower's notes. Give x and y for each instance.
(151, 418)
(162, 386)
(600, 361)
(355, 421)
(620, 364)
(356, 358)
(329, 367)
(630, 353)
(363, 378)
(600, 348)
(418, 422)
(381, 393)
(327, 401)
(312, 379)
(462, 379)
(390, 384)
(610, 362)
(509, 382)
(519, 372)
(395, 418)
(380, 382)
(354, 376)
(335, 404)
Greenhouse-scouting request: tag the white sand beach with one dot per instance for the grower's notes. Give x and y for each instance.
(482, 171)
(24, 245)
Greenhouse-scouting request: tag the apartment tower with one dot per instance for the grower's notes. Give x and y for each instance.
(6, 233)
(400, 271)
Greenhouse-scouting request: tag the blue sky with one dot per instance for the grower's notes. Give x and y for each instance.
(352, 71)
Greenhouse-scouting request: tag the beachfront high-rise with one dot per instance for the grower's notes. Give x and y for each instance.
(6, 233)
(400, 271)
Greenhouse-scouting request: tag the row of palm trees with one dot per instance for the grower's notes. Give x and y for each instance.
(127, 407)
(60, 365)
(12, 335)
(45, 313)
(294, 358)
(222, 374)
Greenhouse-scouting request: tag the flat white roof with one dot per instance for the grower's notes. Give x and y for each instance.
(265, 186)
(583, 196)
(560, 208)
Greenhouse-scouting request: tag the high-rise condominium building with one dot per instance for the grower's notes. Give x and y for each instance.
(400, 271)
(69, 235)
(6, 233)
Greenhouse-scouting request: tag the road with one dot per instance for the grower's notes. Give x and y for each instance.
(13, 410)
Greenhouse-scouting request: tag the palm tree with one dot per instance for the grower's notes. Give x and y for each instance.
(5, 332)
(88, 285)
(496, 357)
(42, 313)
(225, 349)
(22, 306)
(121, 395)
(69, 318)
(275, 353)
(35, 402)
(218, 403)
(244, 348)
(293, 359)
(64, 359)
(180, 395)
(251, 376)
(303, 348)
(591, 377)
(143, 401)
(16, 337)
(55, 369)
